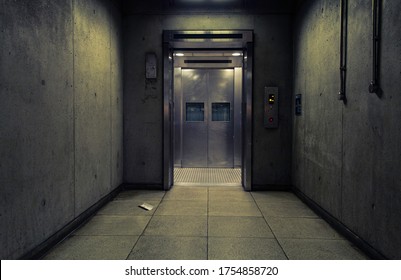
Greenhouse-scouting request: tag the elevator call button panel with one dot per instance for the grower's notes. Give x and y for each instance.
(271, 107)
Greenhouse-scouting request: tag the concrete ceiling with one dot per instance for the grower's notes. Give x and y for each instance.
(218, 6)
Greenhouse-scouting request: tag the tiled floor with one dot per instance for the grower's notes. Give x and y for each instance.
(206, 222)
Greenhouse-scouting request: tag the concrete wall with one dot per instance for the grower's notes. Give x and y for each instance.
(143, 119)
(60, 115)
(347, 157)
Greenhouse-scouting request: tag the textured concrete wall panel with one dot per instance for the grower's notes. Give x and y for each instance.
(142, 102)
(359, 160)
(388, 176)
(116, 95)
(36, 123)
(364, 182)
(92, 102)
(272, 67)
(322, 111)
(55, 116)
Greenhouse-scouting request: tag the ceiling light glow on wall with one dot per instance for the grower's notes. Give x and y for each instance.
(191, 1)
(223, 1)
(206, 1)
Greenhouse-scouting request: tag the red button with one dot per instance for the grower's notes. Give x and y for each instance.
(271, 120)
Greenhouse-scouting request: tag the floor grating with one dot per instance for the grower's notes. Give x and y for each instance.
(207, 175)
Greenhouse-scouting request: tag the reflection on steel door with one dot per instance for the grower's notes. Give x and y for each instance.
(207, 118)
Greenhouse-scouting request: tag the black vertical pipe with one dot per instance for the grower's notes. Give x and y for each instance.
(374, 84)
(343, 48)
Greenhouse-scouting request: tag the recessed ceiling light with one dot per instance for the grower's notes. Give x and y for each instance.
(236, 54)
(179, 54)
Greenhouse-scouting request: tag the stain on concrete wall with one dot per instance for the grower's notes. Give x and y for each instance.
(61, 95)
(347, 157)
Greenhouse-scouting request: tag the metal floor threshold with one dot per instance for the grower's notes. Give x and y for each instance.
(207, 176)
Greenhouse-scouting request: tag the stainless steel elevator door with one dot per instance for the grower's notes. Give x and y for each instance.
(220, 123)
(194, 118)
(207, 118)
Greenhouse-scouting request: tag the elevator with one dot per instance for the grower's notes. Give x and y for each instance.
(207, 102)
(207, 112)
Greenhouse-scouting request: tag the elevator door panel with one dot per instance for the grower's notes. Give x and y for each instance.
(220, 125)
(194, 118)
(207, 117)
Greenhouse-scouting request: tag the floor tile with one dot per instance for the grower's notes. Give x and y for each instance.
(186, 194)
(318, 249)
(233, 208)
(114, 225)
(274, 196)
(93, 248)
(226, 187)
(141, 195)
(232, 187)
(170, 248)
(294, 228)
(229, 195)
(222, 248)
(177, 226)
(239, 227)
(182, 207)
(286, 209)
(128, 208)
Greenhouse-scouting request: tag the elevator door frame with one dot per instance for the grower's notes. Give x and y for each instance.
(241, 40)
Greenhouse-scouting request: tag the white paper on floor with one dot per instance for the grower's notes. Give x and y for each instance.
(146, 206)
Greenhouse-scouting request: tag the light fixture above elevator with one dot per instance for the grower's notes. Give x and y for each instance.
(214, 53)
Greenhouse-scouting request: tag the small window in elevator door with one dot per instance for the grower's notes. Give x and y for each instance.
(221, 112)
(195, 112)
